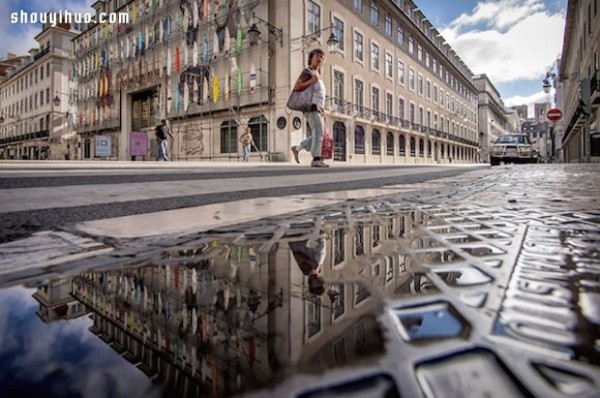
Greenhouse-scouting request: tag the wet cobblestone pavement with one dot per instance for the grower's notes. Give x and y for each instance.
(483, 287)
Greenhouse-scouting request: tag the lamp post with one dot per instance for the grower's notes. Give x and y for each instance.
(254, 33)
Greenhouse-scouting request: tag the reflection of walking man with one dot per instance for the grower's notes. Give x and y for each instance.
(163, 132)
(247, 141)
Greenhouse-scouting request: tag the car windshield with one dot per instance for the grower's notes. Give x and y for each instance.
(512, 139)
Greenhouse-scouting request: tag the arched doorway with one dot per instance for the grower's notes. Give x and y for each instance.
(339, 141)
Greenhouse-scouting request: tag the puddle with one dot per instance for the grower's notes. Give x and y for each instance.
(255, 307)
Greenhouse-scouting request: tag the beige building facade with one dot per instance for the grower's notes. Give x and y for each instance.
(579, 77)
(396, 92)
(35, 103)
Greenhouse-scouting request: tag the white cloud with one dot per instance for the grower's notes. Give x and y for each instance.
(529, 100)
(508, 39)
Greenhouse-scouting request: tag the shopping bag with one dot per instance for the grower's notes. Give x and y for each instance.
(327, 145)
(301, 100)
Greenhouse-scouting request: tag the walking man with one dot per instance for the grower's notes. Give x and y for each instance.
(163, 132)
(247, 141)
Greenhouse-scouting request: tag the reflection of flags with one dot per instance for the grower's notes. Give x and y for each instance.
(215, 88)
(177, 59)
(239, 39)
(239, 80)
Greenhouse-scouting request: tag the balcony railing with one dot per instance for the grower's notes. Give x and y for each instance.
(344, 107)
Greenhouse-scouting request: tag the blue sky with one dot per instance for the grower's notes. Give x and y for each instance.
(514, 42)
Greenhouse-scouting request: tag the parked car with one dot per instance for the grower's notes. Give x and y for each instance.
(512, 148)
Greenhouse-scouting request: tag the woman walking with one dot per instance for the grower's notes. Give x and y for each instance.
(310, 79)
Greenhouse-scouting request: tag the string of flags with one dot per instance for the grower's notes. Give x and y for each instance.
(180, 41)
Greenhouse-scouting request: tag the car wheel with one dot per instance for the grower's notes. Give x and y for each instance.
(494, 161)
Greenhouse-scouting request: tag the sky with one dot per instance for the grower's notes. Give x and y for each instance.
(514, 42)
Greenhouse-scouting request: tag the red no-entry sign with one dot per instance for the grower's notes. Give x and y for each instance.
(554, 114)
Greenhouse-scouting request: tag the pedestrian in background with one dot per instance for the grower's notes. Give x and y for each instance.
(310, 79)
(163, 132)
(247, 141)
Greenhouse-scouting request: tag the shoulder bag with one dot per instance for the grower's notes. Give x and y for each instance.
(301, 100)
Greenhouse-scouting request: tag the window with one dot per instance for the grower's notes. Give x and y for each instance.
(338, 87)
(412, 112)
(419, 53)
(402, 145)
(435, 93)
(374, 56)
(427, 60)
(376, 136)
(388, 65)
(359, 247)
(411, 45)
(401, 108)
(314, 316)
(359, 94)
(338, 31)
(400, 36)
(400, 72)
(413, 147)
(389, 144)
(441, 97)
(375, 99)
(388, 25)
(259, 128)
(314, 17)
(389, 105)
(420, 85)
(428, 89)
(42, 72)
(358, 6)
(389, 268)
(229, 140)
(339, 309)
(374, 13)
(411, 79)
(358, 46)
(359, 140)
(339, 252)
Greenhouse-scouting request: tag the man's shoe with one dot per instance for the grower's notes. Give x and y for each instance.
(318, 163)
(295, 152)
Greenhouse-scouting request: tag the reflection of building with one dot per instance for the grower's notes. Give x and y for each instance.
(35, 111)
(56, 302)
(398, 93)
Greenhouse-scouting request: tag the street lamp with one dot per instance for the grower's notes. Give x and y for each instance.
(254, 33)
(56, 101)
(332, 41)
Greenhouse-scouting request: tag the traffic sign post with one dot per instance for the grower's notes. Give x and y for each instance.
(554, 115)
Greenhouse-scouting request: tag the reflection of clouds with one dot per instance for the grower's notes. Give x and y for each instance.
(16, 297)
(61, 356)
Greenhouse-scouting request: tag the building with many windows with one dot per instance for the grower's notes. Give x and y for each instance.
(579, 82)
(494, 118)
(396, 91)
(35, 109)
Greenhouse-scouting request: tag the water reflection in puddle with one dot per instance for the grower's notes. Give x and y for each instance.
(231, 311)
